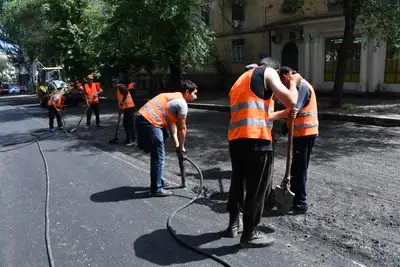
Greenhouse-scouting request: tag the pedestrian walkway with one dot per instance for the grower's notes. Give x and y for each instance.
(375, 110)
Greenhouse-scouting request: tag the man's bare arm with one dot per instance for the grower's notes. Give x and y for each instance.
(174, 133)
(181, 127)
(273, 81)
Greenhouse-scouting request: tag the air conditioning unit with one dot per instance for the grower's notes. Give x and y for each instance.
(235, 24)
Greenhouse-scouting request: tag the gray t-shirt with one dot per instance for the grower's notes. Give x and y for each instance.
(177, 107)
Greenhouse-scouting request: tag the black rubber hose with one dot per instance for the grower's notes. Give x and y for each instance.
(173, 232)
(47, 201)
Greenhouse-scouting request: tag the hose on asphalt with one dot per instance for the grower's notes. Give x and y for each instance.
(173, 232)
(36, 140)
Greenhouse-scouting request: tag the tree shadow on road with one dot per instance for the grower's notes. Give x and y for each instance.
(157, 247)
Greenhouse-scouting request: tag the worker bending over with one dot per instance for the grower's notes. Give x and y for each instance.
(304, 134)
(250, 146)
(55, 104)
(92, 91)
(127, 106)
(165, 109)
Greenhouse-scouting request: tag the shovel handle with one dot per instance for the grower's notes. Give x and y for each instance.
(289, 153)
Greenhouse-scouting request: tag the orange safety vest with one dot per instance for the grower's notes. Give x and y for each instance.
(249, 113)
(156, 111)
(90, 92)
(306, 122)
(58, 102)
(128, 103)
(131, 86)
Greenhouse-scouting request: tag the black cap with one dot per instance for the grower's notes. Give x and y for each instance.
(115, 80)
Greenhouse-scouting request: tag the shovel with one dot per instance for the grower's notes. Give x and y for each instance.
(115, 140)
(283, 195)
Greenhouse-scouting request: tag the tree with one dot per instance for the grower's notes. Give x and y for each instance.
(170, 34)
(384, 18)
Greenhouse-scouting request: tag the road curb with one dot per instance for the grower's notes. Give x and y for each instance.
(330, 116)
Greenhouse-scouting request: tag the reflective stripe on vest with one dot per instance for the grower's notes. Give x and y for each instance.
(156, 111)
(128, 103)
(306, 122)
(90, 92)
(249, 113)
(51, 101)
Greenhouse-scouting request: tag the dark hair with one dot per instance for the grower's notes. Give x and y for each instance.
(187, 85)
(285, 70)
(270, 62)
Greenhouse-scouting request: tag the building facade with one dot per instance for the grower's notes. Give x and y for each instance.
(307, 41)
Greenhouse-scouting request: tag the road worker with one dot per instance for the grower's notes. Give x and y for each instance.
(92, 91)
(55, 104)
(250, 146)
(164, 110)
(126, 104)
(304, 135)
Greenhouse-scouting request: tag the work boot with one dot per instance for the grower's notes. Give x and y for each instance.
(256, 239)
(235, 226)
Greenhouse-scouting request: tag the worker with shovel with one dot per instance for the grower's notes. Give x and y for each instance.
(55, 104)
(250, 146)
(305, 132)
(127, 106)
(164, 110)
(92, 91)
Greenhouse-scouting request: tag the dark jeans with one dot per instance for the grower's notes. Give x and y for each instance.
(129, 124)
(94, 107)
(150, 139)
(247, 170)
(302, 148)
(54, 113)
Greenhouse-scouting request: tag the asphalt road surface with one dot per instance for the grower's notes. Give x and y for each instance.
(101, 213)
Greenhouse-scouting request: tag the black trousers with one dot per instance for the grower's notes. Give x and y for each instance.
(252, 169)
(302, 148)
(129, 124)
(54, 113)
(94, 107)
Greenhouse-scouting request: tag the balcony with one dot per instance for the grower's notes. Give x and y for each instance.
(291, 6)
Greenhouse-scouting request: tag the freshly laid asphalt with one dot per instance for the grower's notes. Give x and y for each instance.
(100, 210)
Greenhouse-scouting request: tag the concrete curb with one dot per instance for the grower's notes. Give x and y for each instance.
(324, 115)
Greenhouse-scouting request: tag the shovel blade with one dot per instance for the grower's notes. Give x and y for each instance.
(284, 199)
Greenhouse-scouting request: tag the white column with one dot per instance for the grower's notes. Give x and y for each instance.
(315, 71)
(365, 64)
(307, 55)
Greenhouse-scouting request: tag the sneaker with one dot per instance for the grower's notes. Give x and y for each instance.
(130, 143)
(256, 239)
(52, 130)
(235, 227)
(166, 184)
(87, 126)
(162, 193)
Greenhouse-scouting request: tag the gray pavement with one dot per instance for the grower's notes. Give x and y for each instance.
(101, 214)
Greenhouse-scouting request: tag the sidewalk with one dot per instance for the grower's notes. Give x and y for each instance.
(373, 111)
(379, 111)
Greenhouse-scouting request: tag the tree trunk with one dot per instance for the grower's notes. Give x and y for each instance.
(175, 73)
(343, 55)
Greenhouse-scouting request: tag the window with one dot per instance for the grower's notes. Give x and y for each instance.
(237, 51)
(334, 5)
(205, 14)
(207, 60)
(392, 66)
(237, 11)
(353, 63)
